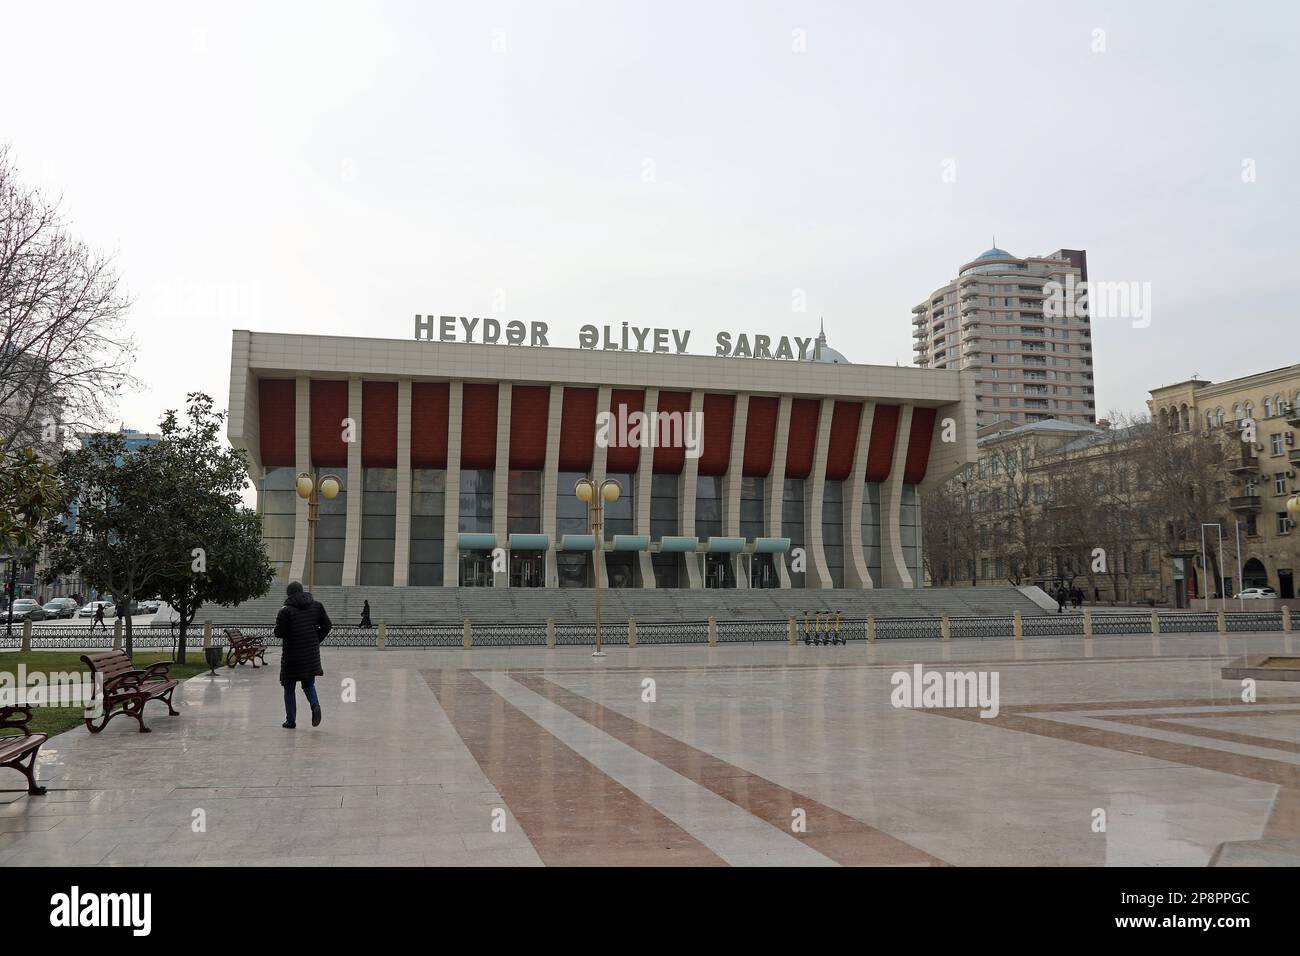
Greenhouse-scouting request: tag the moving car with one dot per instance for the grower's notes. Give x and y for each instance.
(61, 607)
(89, 609)
(26, 609)
(1257, 594)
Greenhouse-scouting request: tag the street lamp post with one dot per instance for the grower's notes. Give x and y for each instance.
(595, 496)
(329, 486)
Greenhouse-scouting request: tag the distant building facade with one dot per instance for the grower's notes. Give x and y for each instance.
(1262, 476)
(1030, 364)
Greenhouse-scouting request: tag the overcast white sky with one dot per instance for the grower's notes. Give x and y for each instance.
(337, 168)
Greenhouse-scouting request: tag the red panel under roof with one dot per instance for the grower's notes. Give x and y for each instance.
(760, 435)
(277, 414)
(478, 425)
(669, 458)
(578, 429)
(529, 408)
(880, 454)
(623, 402)
(844, 439)
(715, 451)
(379, 424)
(802, 441)
(918, 445)
(429, 402)
(329, 406)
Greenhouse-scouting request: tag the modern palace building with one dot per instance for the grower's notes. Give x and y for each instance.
(457, 462)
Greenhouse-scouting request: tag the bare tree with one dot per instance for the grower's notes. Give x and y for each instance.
(64, 352)
(949, 543)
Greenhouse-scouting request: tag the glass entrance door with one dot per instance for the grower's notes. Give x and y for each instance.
(718, 572)
(763, 572)
(526, 569)
(476, 569)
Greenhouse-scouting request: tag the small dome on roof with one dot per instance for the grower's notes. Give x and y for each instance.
(824, 353)
(995, 253)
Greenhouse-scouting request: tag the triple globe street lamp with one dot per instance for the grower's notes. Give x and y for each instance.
(596, 495)
(312, 491)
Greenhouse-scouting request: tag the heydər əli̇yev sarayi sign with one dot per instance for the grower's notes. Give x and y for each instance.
(631, 338)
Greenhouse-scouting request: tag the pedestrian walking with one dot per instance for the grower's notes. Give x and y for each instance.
(99, 618)
(1061, 598)
(365, 614)
(301, 626)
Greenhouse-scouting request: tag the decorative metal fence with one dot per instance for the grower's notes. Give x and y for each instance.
(615, 633)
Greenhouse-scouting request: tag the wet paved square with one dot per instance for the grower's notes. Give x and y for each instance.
(745, 754)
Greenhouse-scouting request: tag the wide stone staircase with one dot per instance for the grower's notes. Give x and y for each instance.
(576, 605)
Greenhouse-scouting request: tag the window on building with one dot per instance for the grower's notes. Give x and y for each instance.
(1252, 528)
(1279, 483)
(1268, 408)
(1275, 441)
(1283, 523)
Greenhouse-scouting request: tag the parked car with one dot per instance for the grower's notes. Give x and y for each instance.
(26, 609)
(1257, 594)
(61, 607)
(149, 607)
(89, 609)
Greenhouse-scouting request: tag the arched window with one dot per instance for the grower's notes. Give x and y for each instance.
(1250, 410)
(1268, 407)
(1164, 418)
(1236, 412)
(1209, 420)
(1218, 416)
(1186, 420)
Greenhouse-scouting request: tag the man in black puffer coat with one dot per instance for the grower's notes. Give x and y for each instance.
(301, 625)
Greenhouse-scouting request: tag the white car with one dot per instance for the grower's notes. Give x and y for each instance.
(1257, 594)
(89, 610)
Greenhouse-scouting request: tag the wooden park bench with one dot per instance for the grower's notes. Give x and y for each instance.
(243, 650)
(19, 750)
(126, 690)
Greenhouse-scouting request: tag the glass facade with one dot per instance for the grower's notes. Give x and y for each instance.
(620, 516)
(664, 520)
(331, 532)
(909, 530)
(871, 530)
(476, 489)
(708, 506)
(752, 507)
(572, 567)
(792, 526)
(279, 503)
(833, 530)
(428, 508)
(378, 526)
(524, 510)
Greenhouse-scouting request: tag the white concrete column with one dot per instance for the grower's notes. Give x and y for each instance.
(819, 574)
(644, 485)
(735, 478)
(355, 495)
(302, 462)
(893, 566)
(686, 503)
(501, 481)
(856, 572)
(451, 505)
(550, 483)
(402, 524)
(776, 484)
(600, 455)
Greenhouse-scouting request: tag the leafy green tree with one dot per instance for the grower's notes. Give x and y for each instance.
(164, 521)
(209, 550)
(117, 507)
